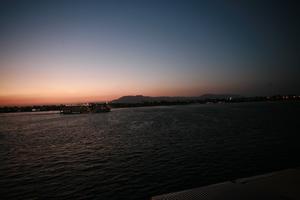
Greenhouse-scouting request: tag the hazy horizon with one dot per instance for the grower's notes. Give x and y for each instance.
(33, 102)
(84, 51)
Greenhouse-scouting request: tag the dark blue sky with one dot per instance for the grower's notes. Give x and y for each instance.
(148, 47)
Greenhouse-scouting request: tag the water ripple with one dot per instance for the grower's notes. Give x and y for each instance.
(140, 152)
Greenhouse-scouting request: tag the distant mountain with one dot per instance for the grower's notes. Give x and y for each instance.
(142, 99)
(220, 96)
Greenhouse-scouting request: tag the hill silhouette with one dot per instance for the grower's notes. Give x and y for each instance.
(142, 99)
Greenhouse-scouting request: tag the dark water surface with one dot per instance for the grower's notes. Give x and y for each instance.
(140, 152)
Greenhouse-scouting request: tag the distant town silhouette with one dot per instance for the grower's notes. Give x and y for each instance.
(140, 101)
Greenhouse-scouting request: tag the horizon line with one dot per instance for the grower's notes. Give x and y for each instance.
(103, 101)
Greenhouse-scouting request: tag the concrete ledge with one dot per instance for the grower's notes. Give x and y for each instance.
(281, 185)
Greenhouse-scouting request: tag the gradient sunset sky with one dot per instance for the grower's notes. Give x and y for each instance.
(78, 51)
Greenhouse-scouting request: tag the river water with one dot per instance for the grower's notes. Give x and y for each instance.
(136, 153)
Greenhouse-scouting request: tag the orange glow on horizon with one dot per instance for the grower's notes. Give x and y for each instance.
(22, 101)
(83, 97)
(78, 92)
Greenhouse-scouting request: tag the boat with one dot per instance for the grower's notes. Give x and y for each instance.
(85, 108)
(99, 108)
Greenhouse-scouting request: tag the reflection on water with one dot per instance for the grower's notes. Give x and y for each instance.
(140, 152)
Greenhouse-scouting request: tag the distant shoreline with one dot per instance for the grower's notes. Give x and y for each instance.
(112, 104)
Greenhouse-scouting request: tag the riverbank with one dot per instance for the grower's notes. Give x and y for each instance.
(41, 108)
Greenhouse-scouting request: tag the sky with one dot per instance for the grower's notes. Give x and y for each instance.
(80, 51)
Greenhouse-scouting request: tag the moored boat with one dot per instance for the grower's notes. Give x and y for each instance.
(85, 108)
